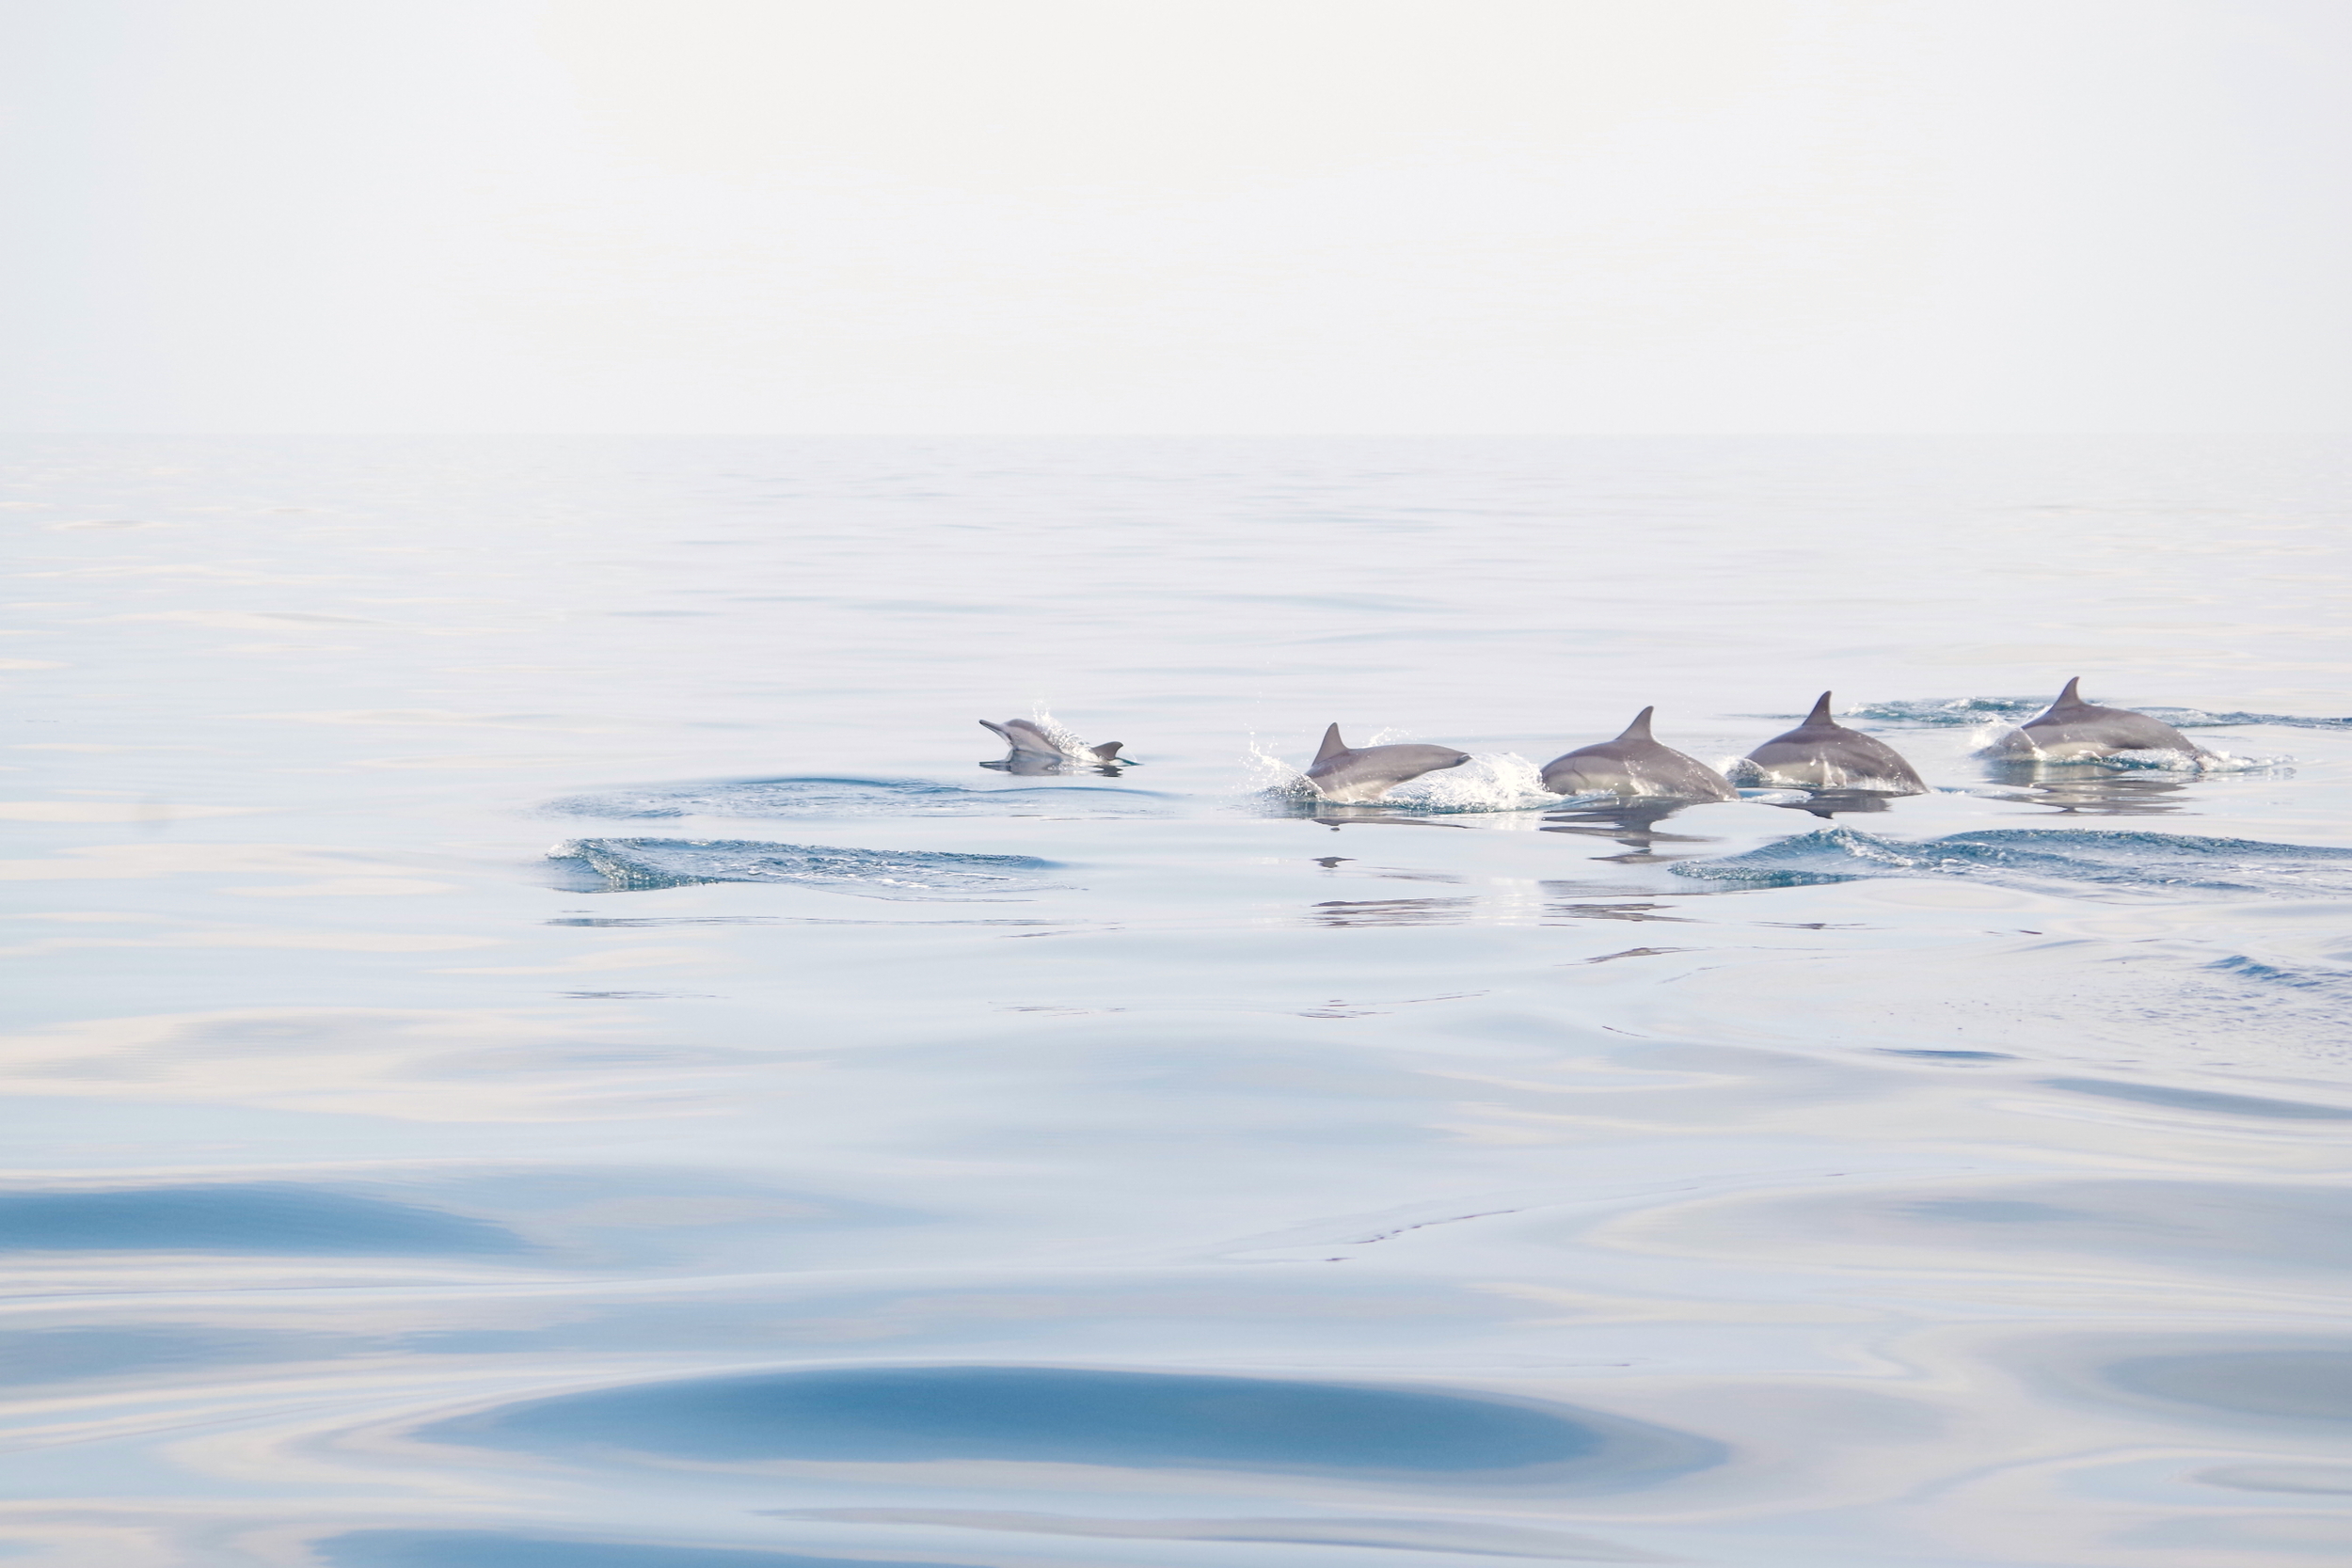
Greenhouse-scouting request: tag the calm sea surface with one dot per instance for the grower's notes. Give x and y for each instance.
(838, 1152)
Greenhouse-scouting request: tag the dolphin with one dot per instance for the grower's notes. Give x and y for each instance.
(1035, 750)
(1341, 773)
(2071, 730)
(1637, 765)
(1822, 754)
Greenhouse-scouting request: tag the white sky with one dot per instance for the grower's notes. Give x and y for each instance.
(1179, 216)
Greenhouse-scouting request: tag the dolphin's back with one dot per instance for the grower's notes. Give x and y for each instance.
(2071, 729)
(1344, 772)
(1822, 754)
(1636, 766)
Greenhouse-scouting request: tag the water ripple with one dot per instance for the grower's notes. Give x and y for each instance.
(634, 864)
(825, 797)
(2169, 864)
(1070, 1416)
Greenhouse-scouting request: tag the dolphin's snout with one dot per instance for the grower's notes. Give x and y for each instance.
(1456, 762)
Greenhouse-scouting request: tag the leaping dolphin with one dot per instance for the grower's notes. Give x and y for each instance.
(1822, 754)
(1638, 767)
(1034, 750)
(1340, 772)
(2071, 730)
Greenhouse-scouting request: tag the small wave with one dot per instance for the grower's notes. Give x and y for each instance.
(630, 864)
(2055, 859)
(816, 797)
(2207, 719)
(1946, 712)
(1956, 712)
(2241, 966)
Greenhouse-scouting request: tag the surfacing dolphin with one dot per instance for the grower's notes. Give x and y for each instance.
(1637, 766)
(1035, 750)
(2071, 730)
(1341, 773)
(1822, 754)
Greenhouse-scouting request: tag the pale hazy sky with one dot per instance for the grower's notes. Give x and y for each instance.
(1176, 216)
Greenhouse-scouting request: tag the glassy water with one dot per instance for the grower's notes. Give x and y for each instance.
(537, 1043)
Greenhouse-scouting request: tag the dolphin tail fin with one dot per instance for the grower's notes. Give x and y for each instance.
(1332, 745)
(1639, 729)
(1108, 751)
(1820, 714)
(2072, 696)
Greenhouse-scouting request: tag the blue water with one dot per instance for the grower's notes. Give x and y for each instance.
(535, 1041)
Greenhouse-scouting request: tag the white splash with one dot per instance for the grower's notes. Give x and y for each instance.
(1996, 735)
(1491, 780)
(1059, 734)
(1066, 742)
(2203, 762)
(1266, 774)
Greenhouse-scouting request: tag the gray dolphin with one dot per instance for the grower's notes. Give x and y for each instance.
(1030, 743)
(1637, 765)
(1341, 773)
(1822, 754)
(2071, 730)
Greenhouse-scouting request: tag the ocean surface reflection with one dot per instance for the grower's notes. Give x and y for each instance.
(2304, 1384)
(2082, 789)
(537, 1041)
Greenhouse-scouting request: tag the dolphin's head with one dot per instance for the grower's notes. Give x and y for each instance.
(1023, 736)
(1426, 759)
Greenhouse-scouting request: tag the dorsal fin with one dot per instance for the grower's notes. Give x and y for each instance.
(1820, 714)
(1108, 750)
(1332, 745)
(2072, 696)
(1639, 729)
